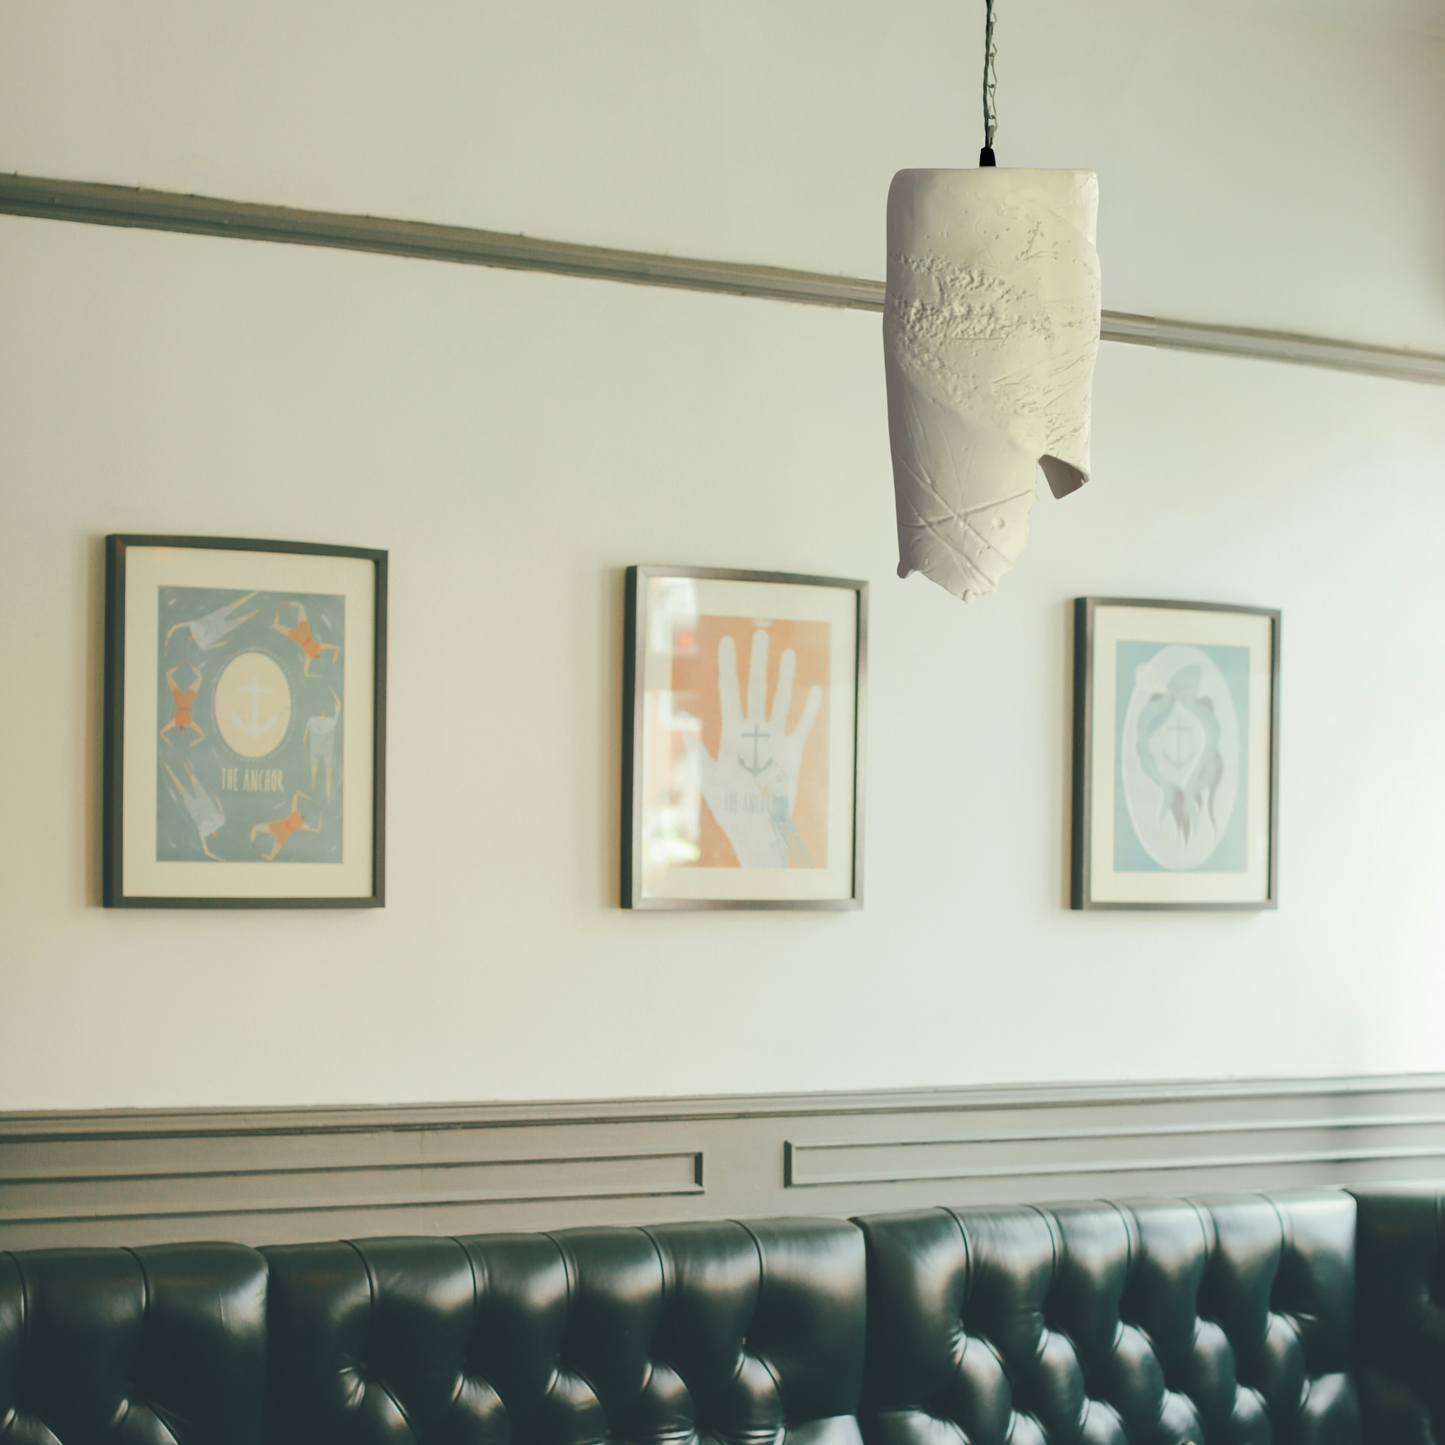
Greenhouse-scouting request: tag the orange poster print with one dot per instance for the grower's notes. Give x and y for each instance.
(750, 714)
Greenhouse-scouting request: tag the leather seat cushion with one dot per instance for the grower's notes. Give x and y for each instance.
(159, 1346)
(747, 1335)
(1168, 1322)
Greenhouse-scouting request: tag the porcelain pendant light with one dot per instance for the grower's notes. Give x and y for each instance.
(990, 331)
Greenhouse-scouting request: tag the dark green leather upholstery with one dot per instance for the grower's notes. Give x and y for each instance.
(1401, 1314)
(745, 1334)
(1222, 1321)
(161, 1346)
(1230, 1321)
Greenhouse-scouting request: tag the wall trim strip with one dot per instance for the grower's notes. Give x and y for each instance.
(106, 205)
(280, 1175)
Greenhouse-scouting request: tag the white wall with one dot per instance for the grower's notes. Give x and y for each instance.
(1270, 163)
(516, 440)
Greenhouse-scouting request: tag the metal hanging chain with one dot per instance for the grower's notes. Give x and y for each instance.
(990, 85)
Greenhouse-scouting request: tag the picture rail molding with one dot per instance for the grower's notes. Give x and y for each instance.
(93, 203)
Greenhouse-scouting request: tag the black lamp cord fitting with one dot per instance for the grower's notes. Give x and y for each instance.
(990, 84)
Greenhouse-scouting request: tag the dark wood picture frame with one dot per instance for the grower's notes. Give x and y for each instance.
(113, 799)
(635, 628)
(1081, 878)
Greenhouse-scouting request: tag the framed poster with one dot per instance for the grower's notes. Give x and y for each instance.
(1176, 755)
(743, 740)
(245, 705)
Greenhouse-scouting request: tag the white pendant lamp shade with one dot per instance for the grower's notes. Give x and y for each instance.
(990, 331)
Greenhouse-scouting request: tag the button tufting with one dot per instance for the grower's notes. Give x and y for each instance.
(1160, 1315)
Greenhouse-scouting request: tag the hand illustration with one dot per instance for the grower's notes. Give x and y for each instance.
(752, 784)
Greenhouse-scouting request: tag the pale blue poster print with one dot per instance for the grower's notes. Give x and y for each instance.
(1181, 760)
(249, 750)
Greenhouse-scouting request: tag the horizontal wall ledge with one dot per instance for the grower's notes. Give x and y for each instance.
(131, 1177)
(107, 205)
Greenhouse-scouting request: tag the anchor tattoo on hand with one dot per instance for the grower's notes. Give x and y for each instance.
(751, 787)
(755, 767)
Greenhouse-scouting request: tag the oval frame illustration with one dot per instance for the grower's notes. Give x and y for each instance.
(1180, 757)
(1176, 755)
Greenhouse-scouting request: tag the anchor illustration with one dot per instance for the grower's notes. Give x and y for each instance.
(255, 728)
(755, 767)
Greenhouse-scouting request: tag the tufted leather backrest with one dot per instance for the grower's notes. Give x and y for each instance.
(743, 1335)
(1401, 1314)
(161, 1346)
(1165, 1322)
(1219, 1321)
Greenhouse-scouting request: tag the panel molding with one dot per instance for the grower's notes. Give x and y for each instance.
(94, 203)
(962, 1150)
(281, 1175)
(121, 1192)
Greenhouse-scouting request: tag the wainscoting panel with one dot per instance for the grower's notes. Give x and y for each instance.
(284, 1175)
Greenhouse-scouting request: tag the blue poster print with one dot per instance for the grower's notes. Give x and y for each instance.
(1181, 761)
(249, 750)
